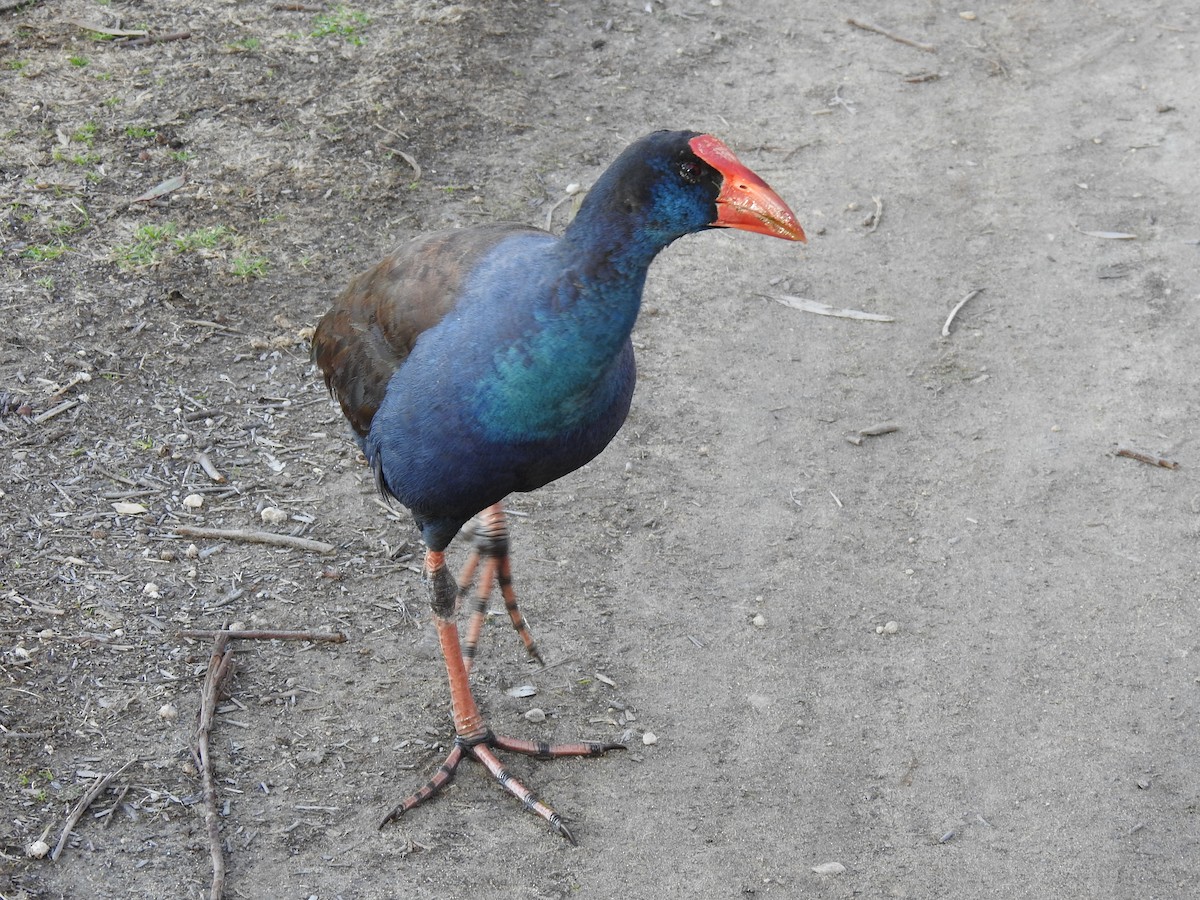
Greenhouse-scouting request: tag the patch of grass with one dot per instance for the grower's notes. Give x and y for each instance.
(246, 43)
(78, 62)
(16, 65)
(343, 22)
(140, 131)
(151, 244)
(61, 154)
(146, 248)
(207, 238)
(46, 283)
(45, 252)
(114, 101)
(182, 155)
(86, 134)
(249, 266)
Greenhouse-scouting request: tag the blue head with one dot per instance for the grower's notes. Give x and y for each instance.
(672, 183)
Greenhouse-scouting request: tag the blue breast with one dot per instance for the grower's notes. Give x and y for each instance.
(526, 379)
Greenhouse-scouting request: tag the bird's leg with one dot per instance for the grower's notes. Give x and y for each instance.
(472, 735)
(489, 555)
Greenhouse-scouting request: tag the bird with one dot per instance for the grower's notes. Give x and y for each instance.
(489, 360)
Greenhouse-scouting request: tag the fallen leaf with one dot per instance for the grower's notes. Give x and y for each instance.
(829, 868)
(1112, 235)
(161, 189)
(824, 309)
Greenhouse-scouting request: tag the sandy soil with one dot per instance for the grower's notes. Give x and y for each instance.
(1027, 729)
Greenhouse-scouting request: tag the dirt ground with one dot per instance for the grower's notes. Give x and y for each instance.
(723, 576)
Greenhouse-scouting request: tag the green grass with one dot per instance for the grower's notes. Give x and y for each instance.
(86, 134)
(146, 248)
(17, 65)
(181, 155)
(246, 43)
(45, 252)
(343, 22)
(152, 244)
(140, 131)
(249, 266)
(78, 62)
(208, 238)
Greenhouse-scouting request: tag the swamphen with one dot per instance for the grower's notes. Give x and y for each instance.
(478, 362)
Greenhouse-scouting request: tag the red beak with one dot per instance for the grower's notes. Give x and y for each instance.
(745, 201)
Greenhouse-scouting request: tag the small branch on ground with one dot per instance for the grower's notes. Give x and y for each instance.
(1149, 459)
(333, 637)
(220, 664)
(98, 787)
(256, 537)
(954, 312)
(867, 26)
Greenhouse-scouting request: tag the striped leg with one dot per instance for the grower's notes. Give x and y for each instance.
(473, 737)
(489, 557)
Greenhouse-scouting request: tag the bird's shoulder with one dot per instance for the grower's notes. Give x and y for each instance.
(374, 323)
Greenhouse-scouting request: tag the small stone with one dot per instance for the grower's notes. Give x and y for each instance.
(193, 501)
(129, 509)
(759, 621)
(168, 712)
(968, 16)
(1143, 784)
(649, 738)
(37, 850)
(521, 690)
(573, 188)
(192, 551)
(890, 628)
(535, 715)
(150, 589)
(273, 515)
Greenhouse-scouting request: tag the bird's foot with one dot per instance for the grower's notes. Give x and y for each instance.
(482, 749)
(489, 561)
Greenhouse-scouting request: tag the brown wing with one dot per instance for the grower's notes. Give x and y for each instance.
(373, 325)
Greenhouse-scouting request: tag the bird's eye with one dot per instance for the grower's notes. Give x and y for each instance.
(689, 172)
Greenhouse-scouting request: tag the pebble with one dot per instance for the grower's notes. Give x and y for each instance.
(273, 515)
(129, 509)
(759, 621)
(193, 501)
(168, 711)
(151, 590)
(649, 738)
(37, 850)
(535, 715)
(522, 690)
(888, 628)
(192, 551)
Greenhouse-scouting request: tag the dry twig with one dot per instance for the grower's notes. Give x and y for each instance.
(94, 791)
(220, 664)
(872, 221)
(334, 637)
(954, 312)
(1149, 459)
(867, 26)
(256, 537)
